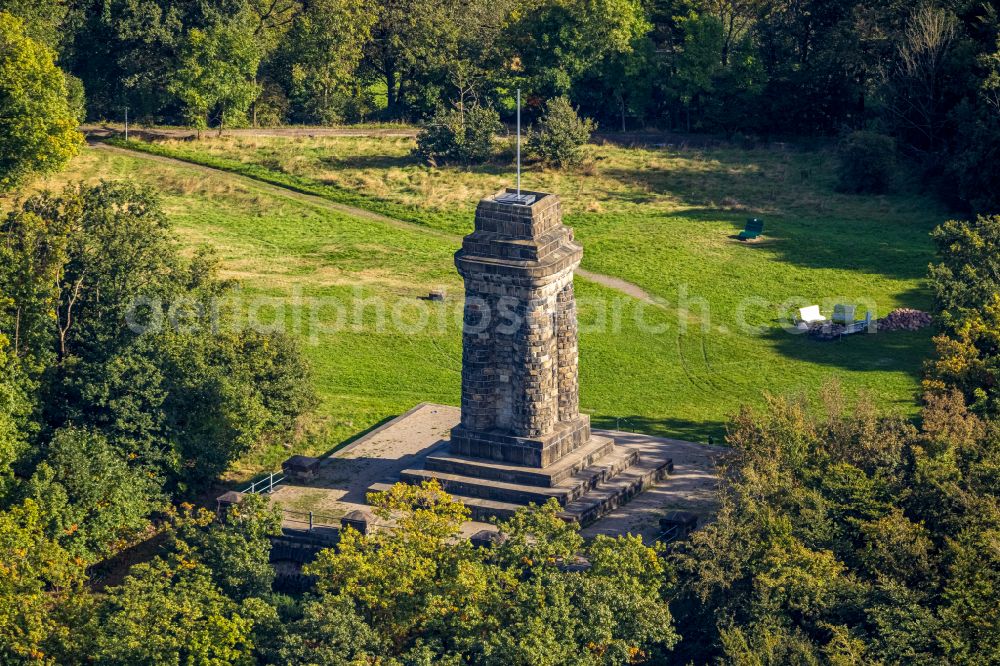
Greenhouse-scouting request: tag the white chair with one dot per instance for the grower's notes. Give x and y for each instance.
(810, 315)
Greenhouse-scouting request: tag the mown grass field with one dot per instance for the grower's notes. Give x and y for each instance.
(659, 218)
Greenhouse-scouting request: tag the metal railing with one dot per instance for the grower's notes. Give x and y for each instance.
(620, 420)
(669, 534)
(265, 485)
(308, 519)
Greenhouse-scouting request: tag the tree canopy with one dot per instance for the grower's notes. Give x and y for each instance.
(37, 123)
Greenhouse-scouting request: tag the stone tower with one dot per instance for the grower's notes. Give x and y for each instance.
(521, 437)
(520, 396)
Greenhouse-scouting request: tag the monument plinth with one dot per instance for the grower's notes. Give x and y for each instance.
(521, 437)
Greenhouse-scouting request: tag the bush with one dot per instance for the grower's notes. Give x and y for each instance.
(271, 107)
(560, 135)
(452, 136)
(866, 162)
(76, 96)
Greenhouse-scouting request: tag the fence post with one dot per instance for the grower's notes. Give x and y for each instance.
(310, 521)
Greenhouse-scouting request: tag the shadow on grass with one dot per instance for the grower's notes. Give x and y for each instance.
(705, 432)
(812, 225)
(865, 246)
(890, 351)
(496, 167)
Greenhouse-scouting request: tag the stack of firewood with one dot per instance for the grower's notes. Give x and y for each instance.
(905, 319)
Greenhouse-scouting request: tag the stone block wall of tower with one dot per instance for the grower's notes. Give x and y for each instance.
(520, 353)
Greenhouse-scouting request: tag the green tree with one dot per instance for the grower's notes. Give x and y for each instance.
(968, 359)
(94, 503)
(37, 125)
(837, 537)
(236, 549)
(105, 246)
(558, 41)
(43, 605)
(15, 407)
(560, 135)
(968, 273)
(402, 581)
(470, 64)
(223, 394)
(321, 53)
(975, 160)
(216, 73)
(697, 60)
(125, 52)
(915, 100)
(466, 137)
(971, 613)
(404, 40)
(169, 611)
(329, 631)
(43, 20)
(867, 162)
(123, 340)
(417, 593)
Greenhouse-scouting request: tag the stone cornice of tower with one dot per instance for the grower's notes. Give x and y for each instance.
(525, 242)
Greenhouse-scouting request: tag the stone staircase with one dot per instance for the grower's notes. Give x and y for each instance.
(588, 483)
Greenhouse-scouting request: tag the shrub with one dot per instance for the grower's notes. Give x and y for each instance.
(866, 161)
(560, 135)
(76, 96)
(271, 107)
(452, 136)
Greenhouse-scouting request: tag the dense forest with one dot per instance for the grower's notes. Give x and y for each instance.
(844, 536)
(927, 75)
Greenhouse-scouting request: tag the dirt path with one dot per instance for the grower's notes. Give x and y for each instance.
(276, 190)
(105, 131)
(627, 288)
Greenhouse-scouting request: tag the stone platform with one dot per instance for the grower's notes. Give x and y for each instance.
(406, 444)
(588, 482)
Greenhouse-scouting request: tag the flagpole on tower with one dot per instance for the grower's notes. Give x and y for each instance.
(518, 143)
(516, 198)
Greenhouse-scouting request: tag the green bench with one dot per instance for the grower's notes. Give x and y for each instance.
(754, 228)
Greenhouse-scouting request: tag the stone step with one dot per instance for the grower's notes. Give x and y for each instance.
(618, 491)
(482, 509)
(585, 456)
(572, 488)
(470, 487)
(604, 497)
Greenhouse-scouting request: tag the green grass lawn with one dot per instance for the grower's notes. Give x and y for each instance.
(661, 219)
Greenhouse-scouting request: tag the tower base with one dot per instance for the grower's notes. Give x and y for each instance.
(594, 477)
(566, 437)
